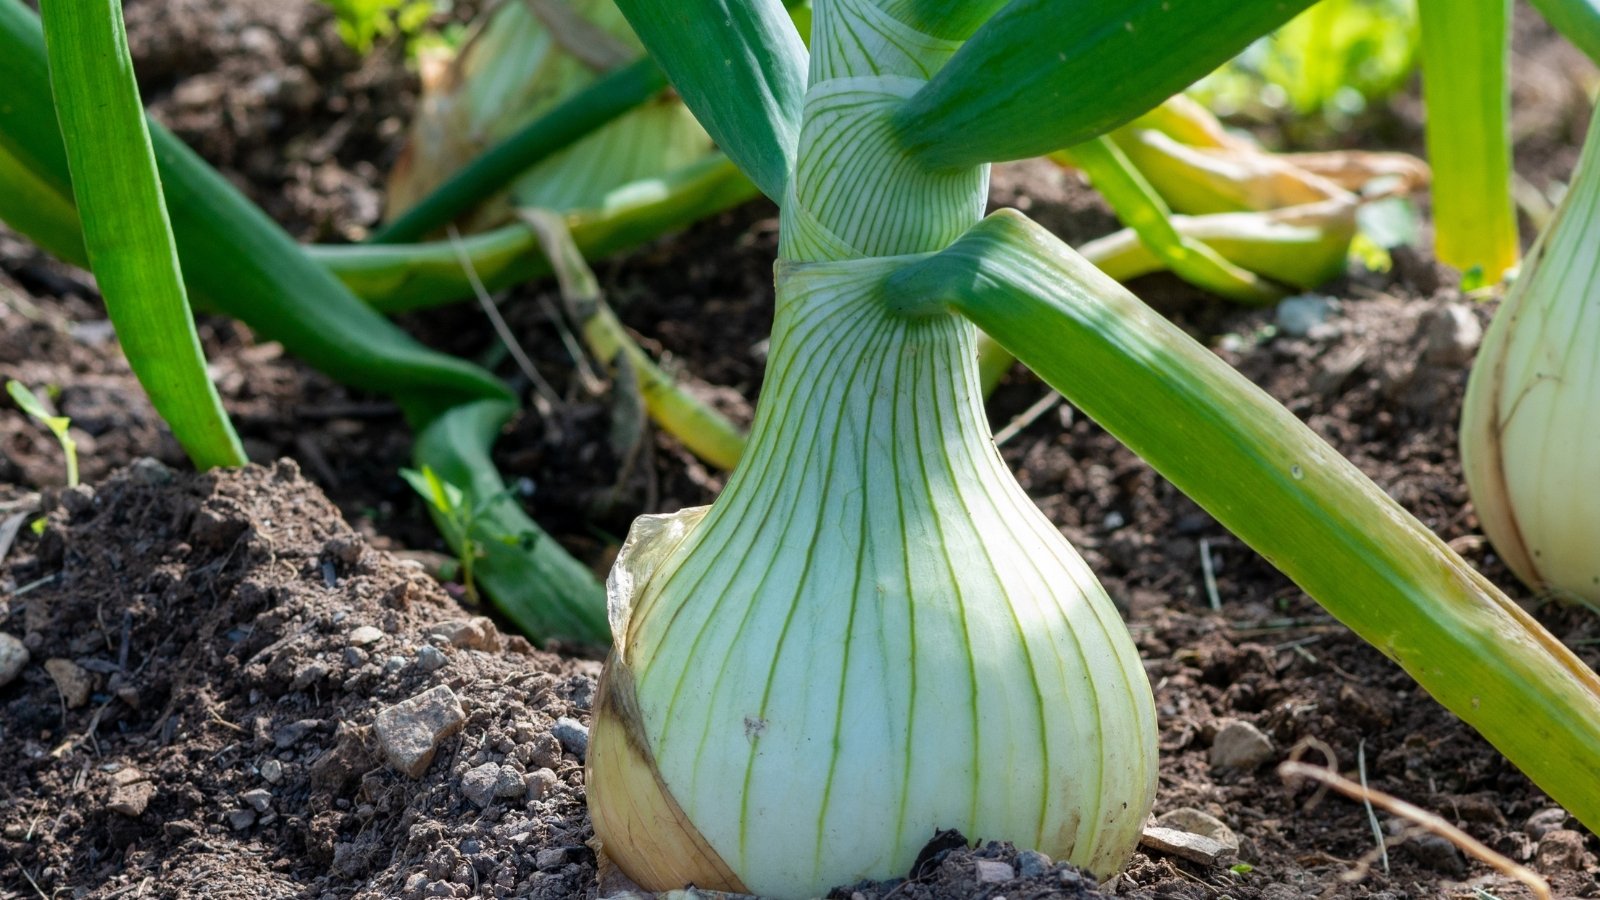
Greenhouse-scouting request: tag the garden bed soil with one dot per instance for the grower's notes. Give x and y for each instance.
(233, 641)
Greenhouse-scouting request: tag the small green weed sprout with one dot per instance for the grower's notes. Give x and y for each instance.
(29, 403)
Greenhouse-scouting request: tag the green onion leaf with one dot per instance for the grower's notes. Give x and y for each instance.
(1466, 46)
(741, 68)
(1038, 76)
(125, 225)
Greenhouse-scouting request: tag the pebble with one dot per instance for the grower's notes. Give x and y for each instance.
(430, 658)
(1193, 847)
(1032, 864)
(573, 735)
(1306, 315)
(409, 733)
(477, 633)
(1187, 818)
(71, 680)
(14, 658)
(540, 783)
(477, 784)
(131, 792)
(1561, 850)
(393, 665)
(366, 634)
(293, 733)
(240, 819)
(272, 771)
(993, 871)
(1240, 745)
(257, 799)
(1545, 821)
(1451, 335)
(550, 858)
(1436, 853)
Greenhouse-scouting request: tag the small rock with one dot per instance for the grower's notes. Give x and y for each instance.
(240, 819)
(307, 675)
(430, 658)
(354, 657)
(1187, 818)
(993, 871)
(573, 735)
(366, 634)
(272, 771)
(1450, 335)
(480, 784)
(1562, 850)
(550, 858)
(293, 733)
(71, 680)
(1307, 316)
(539, 784)
(409, 732)
(477, 633)
(257, 799)
(1032, 864)
(393, 664)
(149, 472)
(1545, 821)
(1240, 745)
(14, 658)
(131, 792)
(1193, 847)
(1436, 853)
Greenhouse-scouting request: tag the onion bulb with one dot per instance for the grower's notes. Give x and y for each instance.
(1530, 428)
(873, 633)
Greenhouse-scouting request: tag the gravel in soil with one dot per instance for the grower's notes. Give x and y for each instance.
(206, 660)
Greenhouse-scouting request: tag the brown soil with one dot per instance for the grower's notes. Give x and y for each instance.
(216, 617)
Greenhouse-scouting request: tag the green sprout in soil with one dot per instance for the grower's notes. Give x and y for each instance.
(29, 403)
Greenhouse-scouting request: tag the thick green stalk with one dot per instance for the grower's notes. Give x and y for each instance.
(1466, 56)
(125, 225)
(1266, 477)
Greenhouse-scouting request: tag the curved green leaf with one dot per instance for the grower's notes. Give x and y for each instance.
(1578, 20)
(125, 225)
(1043, 74)
(741, 68)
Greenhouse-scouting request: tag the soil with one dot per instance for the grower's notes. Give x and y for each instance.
(232, 641)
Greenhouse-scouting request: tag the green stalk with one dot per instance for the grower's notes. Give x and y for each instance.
(1269, 479)
(35, 208)
(604, 101)
(399, 278)
(1578, 20)
(1466, 47)
(125, 225)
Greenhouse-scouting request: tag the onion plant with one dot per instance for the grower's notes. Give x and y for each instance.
(1529, 427)
(872, 633)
